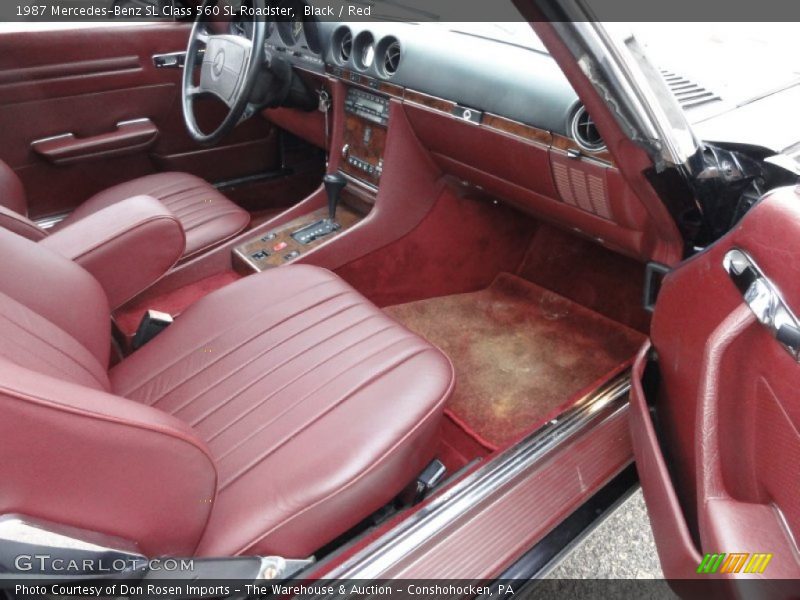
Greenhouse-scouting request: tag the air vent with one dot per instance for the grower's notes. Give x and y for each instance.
(585, 133)
(346, 46)
(391, 58)
(688, 93)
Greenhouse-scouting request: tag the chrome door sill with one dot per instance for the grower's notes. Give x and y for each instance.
(491, 478)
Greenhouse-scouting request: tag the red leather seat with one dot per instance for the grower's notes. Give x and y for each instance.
(271, 417)
(207, 216)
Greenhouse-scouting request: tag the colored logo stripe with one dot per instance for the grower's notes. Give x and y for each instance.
(758, 563)
(735, 562)
(710, 563)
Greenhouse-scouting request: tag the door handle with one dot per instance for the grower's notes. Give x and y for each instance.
(764, 299)
(129, 137)
(171, 60)
(174, 60)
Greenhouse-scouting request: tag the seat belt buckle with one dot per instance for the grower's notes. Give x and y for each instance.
(153, 322)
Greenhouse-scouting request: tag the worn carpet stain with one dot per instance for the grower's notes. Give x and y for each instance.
(520, 352)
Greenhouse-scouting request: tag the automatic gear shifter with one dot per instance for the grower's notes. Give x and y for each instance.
(334, 184)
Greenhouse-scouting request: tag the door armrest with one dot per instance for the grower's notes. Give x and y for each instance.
(127, 246)
(129, 137)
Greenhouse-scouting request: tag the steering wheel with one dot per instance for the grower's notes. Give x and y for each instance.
(228, 71)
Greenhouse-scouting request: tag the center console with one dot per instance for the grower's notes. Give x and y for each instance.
(366, 120)
(365, 124)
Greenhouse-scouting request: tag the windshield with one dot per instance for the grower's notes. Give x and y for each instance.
(715, 67)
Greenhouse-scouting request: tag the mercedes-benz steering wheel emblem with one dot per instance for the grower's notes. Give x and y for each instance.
(219, 63)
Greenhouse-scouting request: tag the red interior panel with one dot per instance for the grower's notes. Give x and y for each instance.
(439, 258)
(727, 405)
(85, 81)
(664, 242)
(521, 163)
(597, 189)
(581, 194)
(677, 551)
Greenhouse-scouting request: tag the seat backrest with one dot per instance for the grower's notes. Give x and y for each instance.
(54, 316)
(71, 452)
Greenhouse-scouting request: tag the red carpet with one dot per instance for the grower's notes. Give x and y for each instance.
(587, 273)
(520, 353)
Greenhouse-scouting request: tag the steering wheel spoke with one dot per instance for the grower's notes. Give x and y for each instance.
(228, 70)
(203, 36)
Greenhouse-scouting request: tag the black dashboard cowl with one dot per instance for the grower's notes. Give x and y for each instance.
(512, 81)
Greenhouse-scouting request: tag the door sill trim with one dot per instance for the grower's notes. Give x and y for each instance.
(503, 471)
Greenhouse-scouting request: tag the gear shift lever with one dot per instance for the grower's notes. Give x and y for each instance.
(334, 184)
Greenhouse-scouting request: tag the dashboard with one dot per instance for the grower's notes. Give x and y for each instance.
(495, 114)
(412, 107)
(507, 79)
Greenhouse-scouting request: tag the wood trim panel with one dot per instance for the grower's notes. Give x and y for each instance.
(433, 102)
(508, 126)
(374, 85)
(356, 130)
(491, 121)
(245, 262)
(566, 144)
(517, 129)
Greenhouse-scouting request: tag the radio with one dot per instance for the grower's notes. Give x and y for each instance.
(367, 106)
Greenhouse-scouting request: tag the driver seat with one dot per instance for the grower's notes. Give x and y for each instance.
(208, 218)
(274, 415)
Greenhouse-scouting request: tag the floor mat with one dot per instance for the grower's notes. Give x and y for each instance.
(520, 353)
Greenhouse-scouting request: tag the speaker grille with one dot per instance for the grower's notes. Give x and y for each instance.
(582, 190)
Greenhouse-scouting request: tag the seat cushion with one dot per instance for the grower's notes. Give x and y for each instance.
(207, 216)
(316, 406)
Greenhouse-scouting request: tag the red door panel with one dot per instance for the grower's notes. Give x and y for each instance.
(727, 406)
(85, 81)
